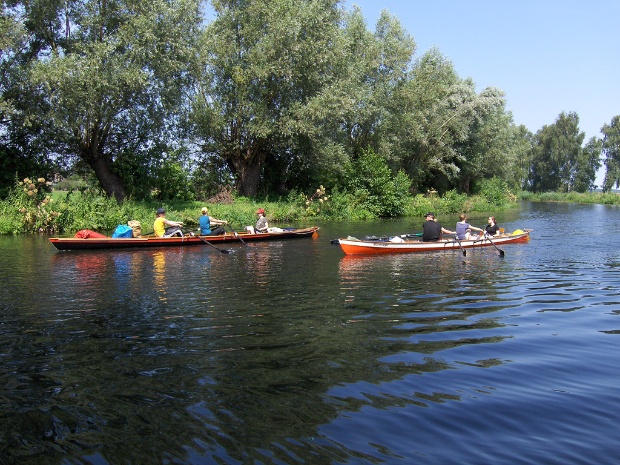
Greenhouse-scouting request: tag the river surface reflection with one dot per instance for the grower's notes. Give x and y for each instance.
(291, 352)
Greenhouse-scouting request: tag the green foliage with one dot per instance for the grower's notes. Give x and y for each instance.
(209, 177)
(311, 205)
(588, 162)
(71, 183)
(260, 64)
(611, 150)
(110, 79)
(421, 204)
(495, 191)
(32, 207)
(374, 188)
(605, 198)
(91, 210)
(559, 163)
(452, 202)
(276, 96)
(172, 181)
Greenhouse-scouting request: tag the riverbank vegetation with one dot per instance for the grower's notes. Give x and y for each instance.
(148, 104)
(603, 198)
(33, 206)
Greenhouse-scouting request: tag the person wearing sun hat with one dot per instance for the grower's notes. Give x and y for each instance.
(205, 222)
(262, 225)
(432, 230)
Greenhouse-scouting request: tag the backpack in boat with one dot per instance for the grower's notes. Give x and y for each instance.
(122, 230)
(136, 227)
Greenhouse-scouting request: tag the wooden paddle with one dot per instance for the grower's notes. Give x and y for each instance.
(216, 248)
(236, 234)
(488, 236)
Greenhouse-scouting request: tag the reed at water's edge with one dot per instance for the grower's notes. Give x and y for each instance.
(603, 198)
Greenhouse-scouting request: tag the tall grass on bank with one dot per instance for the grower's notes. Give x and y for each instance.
(603, 198)
(64, 213)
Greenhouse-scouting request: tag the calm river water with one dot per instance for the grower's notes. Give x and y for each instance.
(292, 353)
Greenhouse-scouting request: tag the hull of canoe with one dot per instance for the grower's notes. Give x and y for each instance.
(359, 247)
(72, 243)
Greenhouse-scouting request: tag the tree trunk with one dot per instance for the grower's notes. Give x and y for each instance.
(90, 151)
(247, 171)
(110, 181)
(466, 185)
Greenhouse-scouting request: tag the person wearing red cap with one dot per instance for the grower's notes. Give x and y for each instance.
(261, 225)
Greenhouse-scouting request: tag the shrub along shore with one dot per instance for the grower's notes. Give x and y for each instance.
(33, 207)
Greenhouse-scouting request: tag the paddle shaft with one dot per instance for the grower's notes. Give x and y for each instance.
(501, 252)
(216, 248)
(236, 234)
(460, 245)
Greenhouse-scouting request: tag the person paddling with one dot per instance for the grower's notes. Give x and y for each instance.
(160, 223)
(206, 221)
(463, 228)
(432, 230)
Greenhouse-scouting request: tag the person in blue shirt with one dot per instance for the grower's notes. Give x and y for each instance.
(464, 229)
(205, 223)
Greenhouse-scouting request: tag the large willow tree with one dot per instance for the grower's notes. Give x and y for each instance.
(108, 76)
(261, 63)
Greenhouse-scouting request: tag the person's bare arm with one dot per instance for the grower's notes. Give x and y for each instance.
(173, 223)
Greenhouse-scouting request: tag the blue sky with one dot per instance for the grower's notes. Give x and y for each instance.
(548, 56)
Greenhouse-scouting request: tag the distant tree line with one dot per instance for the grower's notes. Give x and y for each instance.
(150, 100)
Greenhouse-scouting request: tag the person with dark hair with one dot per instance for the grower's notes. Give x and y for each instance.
(432, 230)
(205, 222)
(159, 226)
(492, 228)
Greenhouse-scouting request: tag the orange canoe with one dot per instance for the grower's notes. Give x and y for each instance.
(385, 246)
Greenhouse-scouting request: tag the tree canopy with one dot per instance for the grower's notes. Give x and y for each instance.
(559, 160)
(107, 77)
(611, 150)
(267, 97)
